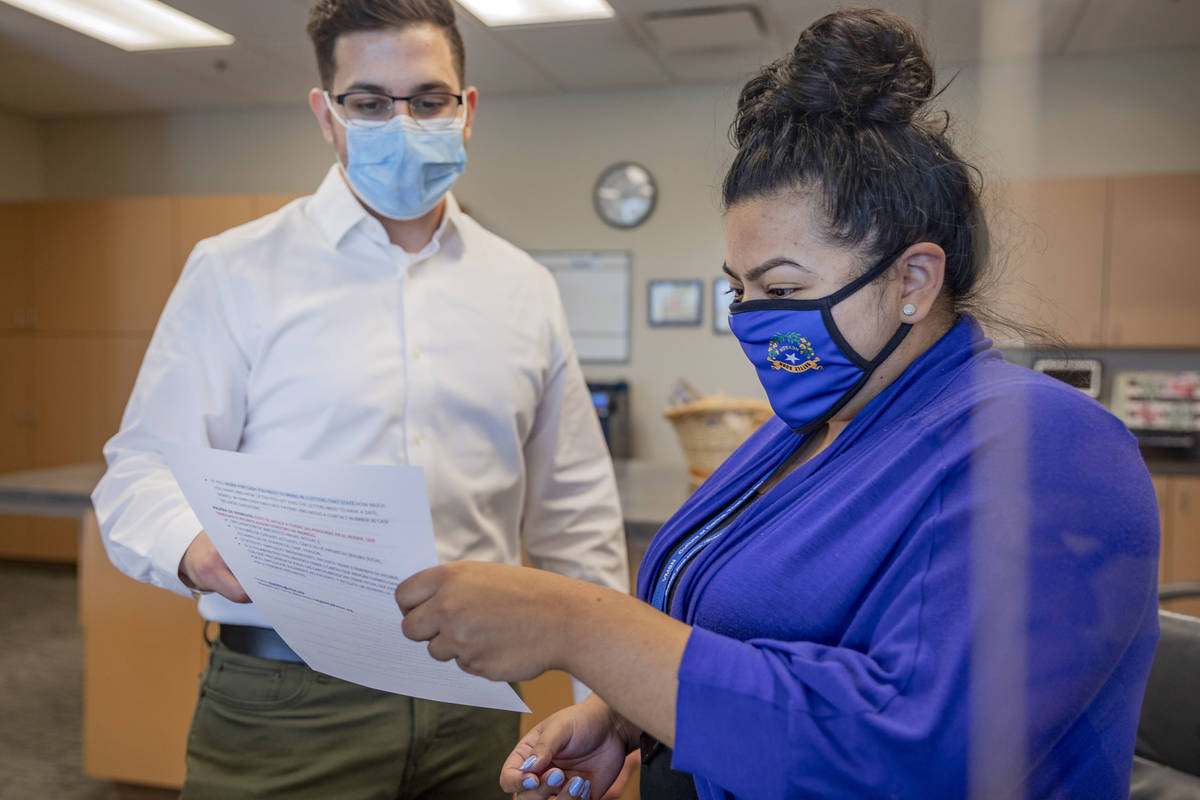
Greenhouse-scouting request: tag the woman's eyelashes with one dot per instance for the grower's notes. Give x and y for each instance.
(773, 292)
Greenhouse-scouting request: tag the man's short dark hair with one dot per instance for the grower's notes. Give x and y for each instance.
(329, 19)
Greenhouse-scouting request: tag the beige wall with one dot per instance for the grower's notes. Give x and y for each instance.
(534, 160)
(21, 173)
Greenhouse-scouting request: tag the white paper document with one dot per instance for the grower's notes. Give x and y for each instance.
(320, 549)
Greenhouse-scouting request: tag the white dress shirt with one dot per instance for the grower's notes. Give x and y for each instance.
(306, 334)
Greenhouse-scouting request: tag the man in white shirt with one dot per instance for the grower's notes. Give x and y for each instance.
(375, 323)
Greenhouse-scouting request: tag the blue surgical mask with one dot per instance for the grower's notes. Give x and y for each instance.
(402, 169)
(804, 363)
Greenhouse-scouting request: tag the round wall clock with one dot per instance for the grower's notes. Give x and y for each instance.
(625, 194)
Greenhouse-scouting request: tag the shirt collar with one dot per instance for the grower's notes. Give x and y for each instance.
(336, 211)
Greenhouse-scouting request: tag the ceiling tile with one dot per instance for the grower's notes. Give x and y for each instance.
(796, 15)
(495, 65)
(52, 70)
(720, 29)
(732, 67)
(588, 55)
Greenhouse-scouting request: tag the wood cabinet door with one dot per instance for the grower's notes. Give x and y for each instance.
(102, 265)
(1184, 560)
(16, 271)
(1047, 256)
(264, 204)
(81, 385)
(16, 433)
(1153, 298)
(1162, 491)
(200, 216)
(143, 655)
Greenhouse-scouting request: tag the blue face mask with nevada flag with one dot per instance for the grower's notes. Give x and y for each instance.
(806, 366)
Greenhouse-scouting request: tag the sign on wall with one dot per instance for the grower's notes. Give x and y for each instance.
(595, 286)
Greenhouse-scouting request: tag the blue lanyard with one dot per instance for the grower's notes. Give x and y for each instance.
(692, 545)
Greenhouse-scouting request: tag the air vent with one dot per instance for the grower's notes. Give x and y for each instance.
(726, 27)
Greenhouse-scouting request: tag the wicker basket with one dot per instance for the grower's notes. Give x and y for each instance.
(711, 428)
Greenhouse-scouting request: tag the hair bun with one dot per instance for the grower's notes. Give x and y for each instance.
(861, 66)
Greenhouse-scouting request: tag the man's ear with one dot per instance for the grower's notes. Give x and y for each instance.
(321, 110)
(470, 100)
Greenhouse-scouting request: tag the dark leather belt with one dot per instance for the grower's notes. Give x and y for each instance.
(251, 640)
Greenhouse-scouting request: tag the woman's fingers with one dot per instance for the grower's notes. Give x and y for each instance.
(533, 758)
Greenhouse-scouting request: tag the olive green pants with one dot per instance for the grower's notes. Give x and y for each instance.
(270, 729)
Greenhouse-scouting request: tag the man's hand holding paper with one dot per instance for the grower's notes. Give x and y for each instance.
(320, 550)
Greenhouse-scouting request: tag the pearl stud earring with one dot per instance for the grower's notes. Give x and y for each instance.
(909, 309)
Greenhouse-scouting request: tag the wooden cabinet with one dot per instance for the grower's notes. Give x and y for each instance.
(263, 204)
(81, 385)
(143, 654)
(16, 433)
(196, 218)
(1153, 297)
(1098, 261)
(1162, 491)
(16, 403)
(16, 273)
(101, 265)
(84, 283)
(1048, 255)
(1181, 537)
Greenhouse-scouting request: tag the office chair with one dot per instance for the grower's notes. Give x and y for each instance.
(1166, 762)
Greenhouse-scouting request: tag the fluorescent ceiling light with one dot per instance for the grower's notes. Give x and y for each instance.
(531, 12)
(128, 24)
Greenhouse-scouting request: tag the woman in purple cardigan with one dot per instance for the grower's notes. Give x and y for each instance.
(930, 575)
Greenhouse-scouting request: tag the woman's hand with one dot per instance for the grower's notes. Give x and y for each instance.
(502, 622)
(577, 752)
(514, 623)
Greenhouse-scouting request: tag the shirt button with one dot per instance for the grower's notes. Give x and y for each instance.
(417, 353)
(417, 439)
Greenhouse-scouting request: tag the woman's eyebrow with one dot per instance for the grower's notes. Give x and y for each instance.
(771, 263)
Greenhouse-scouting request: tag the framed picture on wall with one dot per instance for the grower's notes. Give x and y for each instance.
(675, 303)
(722, 297)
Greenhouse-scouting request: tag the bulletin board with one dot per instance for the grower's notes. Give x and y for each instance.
(595, 286)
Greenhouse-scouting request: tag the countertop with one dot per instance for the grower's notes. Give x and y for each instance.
(1164, 466)
(650, 493)
(56, 491)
